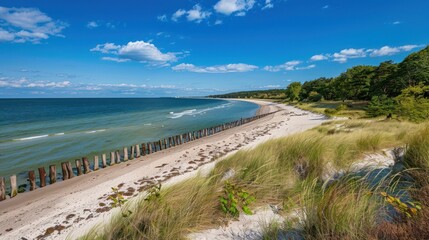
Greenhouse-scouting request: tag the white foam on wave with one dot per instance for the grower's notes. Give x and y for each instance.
(147, 124)
(193, 112)
(30, 138)
(96, 131)
(58, 134)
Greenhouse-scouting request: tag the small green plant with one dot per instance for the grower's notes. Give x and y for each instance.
(235, 198)
(154, 193)
(409, 208)
(118, 200)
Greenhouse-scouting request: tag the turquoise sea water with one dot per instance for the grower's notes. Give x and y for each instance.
(40, 132)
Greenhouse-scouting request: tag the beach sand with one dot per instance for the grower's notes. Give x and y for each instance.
(72, 207)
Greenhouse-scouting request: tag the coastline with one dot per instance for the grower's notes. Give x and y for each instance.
(73, 206)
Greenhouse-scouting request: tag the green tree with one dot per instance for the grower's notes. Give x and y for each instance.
(383, 81)
(414, 69)
(413, 103)
(381, 105)
(293, 90)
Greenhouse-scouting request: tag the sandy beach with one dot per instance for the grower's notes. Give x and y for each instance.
(70, 208)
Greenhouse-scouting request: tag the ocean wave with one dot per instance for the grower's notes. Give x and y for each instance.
(30, 138)
(96, 131)
(193, 112)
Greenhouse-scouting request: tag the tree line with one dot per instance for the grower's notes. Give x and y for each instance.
(390, 88)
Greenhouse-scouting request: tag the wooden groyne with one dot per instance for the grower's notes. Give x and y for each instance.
(83, 166)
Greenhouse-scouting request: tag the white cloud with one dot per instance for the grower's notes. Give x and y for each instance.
(346, 54)
(196, 14)
(28, 25)
(114, 59)
(229, 68)
(92, 24)
(139, 51)
(24, 83)
(325, 7)
(106, 48)
(218, 22)
(268, 4)
(178, 14)
(388, 51)
(239, 7)
(396, 22)
(319, 57)
(288, 66)
(162, 18)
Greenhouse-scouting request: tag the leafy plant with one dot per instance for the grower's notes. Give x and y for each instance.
(408, 208)
(234, 199)
(118, 200)
(154, 193)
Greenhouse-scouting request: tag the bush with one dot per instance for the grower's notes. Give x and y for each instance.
(381, 105)
(413, 103)
(315, 97)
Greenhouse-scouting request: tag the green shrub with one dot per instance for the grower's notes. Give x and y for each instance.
(315, 97)
(381, 105)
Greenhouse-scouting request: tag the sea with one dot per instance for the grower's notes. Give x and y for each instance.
(40, 132)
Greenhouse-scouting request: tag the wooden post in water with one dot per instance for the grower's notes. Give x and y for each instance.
(86, 165)
(65, 172)
(78, 166)
(32, 180)
(149, 147)
(112, 158)
(13, 186)
(143, 149)
(96, 162)
(70, 170)
(138, 153)
(52, 174)
(160, 145)
(118, 156)
(104, 160)
(2, 189)
(125, 153)
(42, 176)
(133, 152)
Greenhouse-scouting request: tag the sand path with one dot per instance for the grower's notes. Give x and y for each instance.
(69, 208)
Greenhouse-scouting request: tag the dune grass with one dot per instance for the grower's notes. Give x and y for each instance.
(350, 109)
(289, 172)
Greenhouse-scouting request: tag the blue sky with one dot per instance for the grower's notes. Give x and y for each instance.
(108, 48)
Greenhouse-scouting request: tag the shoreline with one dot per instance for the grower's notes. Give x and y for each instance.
(73, 206)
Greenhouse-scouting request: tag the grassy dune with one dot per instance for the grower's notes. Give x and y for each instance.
(290, 172)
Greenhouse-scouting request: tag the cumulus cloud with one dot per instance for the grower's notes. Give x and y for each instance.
(228, 68)
(350, 53)
(28, 25)
(196, 14)
(239, 7)
(319, 57)
(178, 14)
(139, 51)
(288, 66)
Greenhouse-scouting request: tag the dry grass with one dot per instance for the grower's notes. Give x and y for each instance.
(283, 170)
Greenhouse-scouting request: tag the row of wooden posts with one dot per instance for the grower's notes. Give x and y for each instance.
(136, 151)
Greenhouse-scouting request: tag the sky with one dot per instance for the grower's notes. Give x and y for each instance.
(160, 48)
